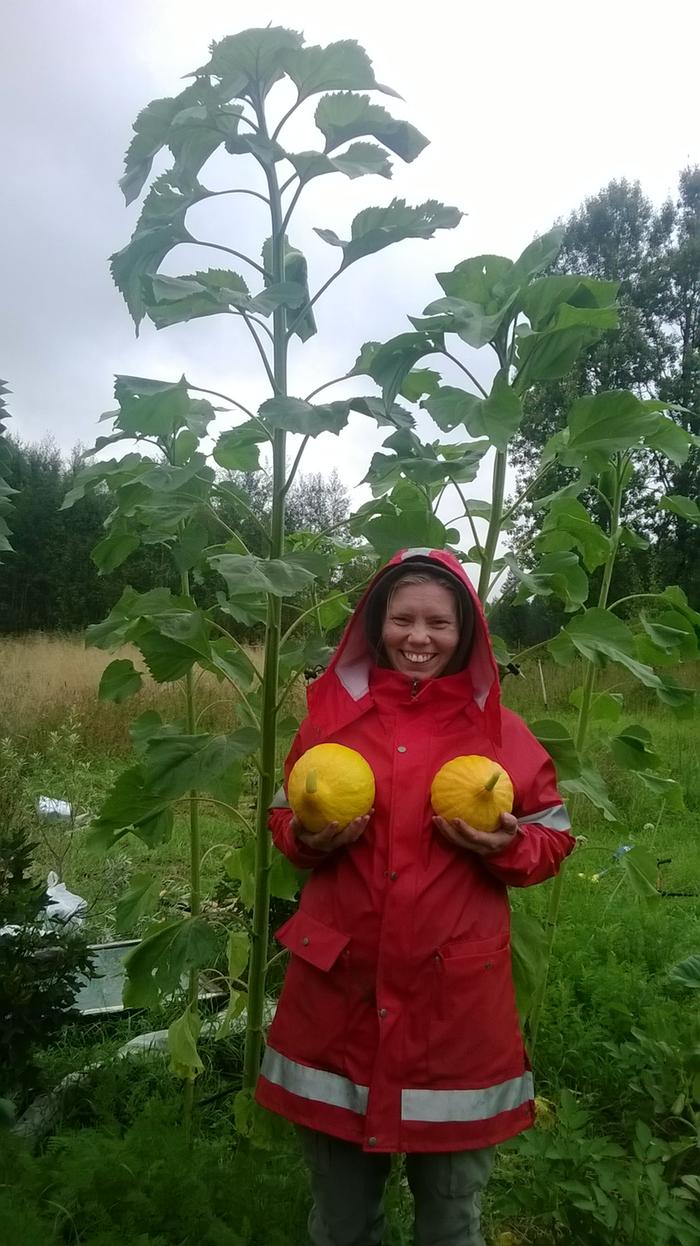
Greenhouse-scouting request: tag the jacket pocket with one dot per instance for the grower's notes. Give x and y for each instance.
(474, 1032)
(315, 942)
(315, 1007)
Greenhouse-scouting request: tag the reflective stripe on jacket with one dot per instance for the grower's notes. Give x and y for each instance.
(397, 1026)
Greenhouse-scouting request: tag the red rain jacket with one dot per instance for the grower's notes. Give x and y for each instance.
(397, 1027)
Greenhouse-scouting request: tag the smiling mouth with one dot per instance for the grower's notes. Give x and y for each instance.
(417, 659)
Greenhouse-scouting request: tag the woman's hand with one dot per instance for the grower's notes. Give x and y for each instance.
(484, 844)
(332, 836)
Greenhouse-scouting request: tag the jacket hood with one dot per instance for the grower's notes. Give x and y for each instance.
(345, 683)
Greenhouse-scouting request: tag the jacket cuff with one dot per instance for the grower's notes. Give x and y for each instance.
(280, 823)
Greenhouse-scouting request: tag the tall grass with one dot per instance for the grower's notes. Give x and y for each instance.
(47, 677)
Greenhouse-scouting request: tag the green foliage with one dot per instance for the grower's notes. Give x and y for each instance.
(617, 235)
(40, 968)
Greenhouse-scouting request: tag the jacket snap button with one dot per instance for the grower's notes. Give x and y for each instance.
(306, 941)
(488, 964)
(371, 1142)
(382, 1012)
(401, 748)
(393, 876)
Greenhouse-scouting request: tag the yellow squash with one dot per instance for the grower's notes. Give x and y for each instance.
(330, 783)
(475, 789)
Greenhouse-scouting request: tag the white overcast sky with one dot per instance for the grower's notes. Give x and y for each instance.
(529, 107)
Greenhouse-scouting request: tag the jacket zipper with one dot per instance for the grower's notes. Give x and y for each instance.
(414, 688)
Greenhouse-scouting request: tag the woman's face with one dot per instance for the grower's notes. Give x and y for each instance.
(421, 630)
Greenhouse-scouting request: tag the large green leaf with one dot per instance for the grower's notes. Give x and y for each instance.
(131, 803)
(183, 1032)
(426, 464)
(376, 228)
(528, 943)
(285, 880)
(559, 572)
(185, 123)
(341, 66)
(559, 743)
(672, 440)
(667, 790)
(297, 416)
(632, 748)
(604, 423)
(249, 63)
(389, 363)
(672, 633)
(420, 383)
(239, 865)
(160, 227)
(237, 448)
(237, 952)
(537, 256)
(152, 408)
(113, 631)
(591, 784)
(541, 299)
(402, 520)
(343, 117)
(113, 550)
(404, 530)
(499, 416)
(678, 599)
(359, 160)
(687, 973)
(568, 523)
(173, 300)
(177, 764)
(550, 354)
(640, 867)
(166, 659)
(244, 574)
(245, 608)
(140, 899)
(467, 320)
(155, 969)
(597, 635)
(482, 279)
(176, 299)
(687, 508)
(606, 707)
(450, 406)
(233, 664)
(119, 680)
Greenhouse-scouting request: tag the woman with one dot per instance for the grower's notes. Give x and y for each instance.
(397, 1029)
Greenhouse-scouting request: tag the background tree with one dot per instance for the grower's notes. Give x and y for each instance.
(618, 235)
(51, 583)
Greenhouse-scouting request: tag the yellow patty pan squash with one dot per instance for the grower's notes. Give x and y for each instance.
(330, 783)
(475, 789)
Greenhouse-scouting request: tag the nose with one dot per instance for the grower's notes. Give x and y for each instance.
(419, 635)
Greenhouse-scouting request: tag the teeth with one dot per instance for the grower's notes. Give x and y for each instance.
(418, 657)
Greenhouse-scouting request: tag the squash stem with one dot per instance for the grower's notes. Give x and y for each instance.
(491, 783)
(311, 783)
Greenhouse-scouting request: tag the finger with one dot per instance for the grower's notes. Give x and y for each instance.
(508, 823)
(358, 827)
(470, 833)
(445, 828)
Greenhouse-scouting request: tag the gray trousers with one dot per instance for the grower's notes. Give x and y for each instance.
(348, 1183)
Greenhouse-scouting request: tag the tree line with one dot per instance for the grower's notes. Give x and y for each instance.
(51, 583)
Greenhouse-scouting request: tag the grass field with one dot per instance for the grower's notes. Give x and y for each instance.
(618, 1061)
